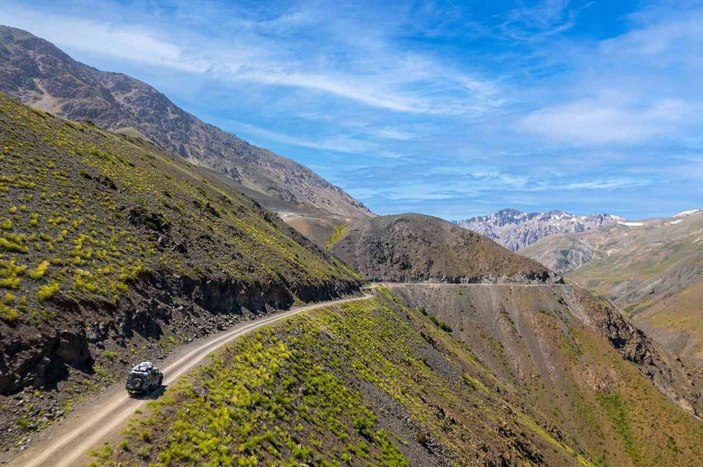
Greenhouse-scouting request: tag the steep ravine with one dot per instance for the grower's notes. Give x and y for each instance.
(576, 358)
(377, 382)
(511, 318)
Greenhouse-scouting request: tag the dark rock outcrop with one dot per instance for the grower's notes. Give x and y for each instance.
(157, 303)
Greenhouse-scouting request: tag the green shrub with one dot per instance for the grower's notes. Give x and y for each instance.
(47, 291)
(440, 324)
(39, 272)
(15, 243)
(7, 313)
(23, 423)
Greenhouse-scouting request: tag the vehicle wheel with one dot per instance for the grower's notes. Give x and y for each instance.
(161, 380)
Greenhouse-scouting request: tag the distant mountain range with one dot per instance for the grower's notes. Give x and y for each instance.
(653, 269)
(44, 77)
(516, 229)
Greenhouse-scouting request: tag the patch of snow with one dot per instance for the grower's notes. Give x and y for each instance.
(631, 224)
(689, 212)
(675, 222)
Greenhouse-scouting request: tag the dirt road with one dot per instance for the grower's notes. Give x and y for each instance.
(392, 285)
(66, 442)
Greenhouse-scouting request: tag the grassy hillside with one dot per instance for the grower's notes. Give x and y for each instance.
(677, 322)
(378, 382)
(366, 382)
(564, 253)
(105, 240)
(414, 247)
(642, 265)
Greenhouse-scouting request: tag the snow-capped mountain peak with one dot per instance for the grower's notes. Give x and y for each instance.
(690, 212)
(516, 229)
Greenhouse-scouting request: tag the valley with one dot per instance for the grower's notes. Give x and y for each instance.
(293, 325)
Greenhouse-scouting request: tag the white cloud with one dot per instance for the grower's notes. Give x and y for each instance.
(127, 43)
(337, 144)
(597, 184)
(641, 86)
(543, 19)
(602, 120)
(658, 37)
(395, 134)
(377, 75)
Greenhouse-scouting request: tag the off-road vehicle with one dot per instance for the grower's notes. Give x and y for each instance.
(144, 378)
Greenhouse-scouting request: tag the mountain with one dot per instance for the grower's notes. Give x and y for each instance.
(516, 229)
(569, 251)
(653, 269)
(415, 247)
(44, 77)
(379, 382)
(577, 360)
(113, 250)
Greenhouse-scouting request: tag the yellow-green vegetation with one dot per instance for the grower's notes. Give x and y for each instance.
(334, 238)
(318, 388)
(83, 213)
(40, 270)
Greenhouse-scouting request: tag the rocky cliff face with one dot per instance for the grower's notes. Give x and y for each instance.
(516, 229)
(44, 77)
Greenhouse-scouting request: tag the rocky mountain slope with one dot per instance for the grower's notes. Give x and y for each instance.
(516, 230)
(379, 382)
(44, 77)
(112, 250)
(577, 360)
(653, 269)
(415, 247)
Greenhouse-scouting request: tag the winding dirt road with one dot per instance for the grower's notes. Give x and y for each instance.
(66, 442)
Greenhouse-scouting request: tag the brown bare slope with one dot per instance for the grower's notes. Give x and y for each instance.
(44, 77)
(576, 359)
(415, 247)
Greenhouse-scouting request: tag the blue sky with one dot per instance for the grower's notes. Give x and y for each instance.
(448, 108)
